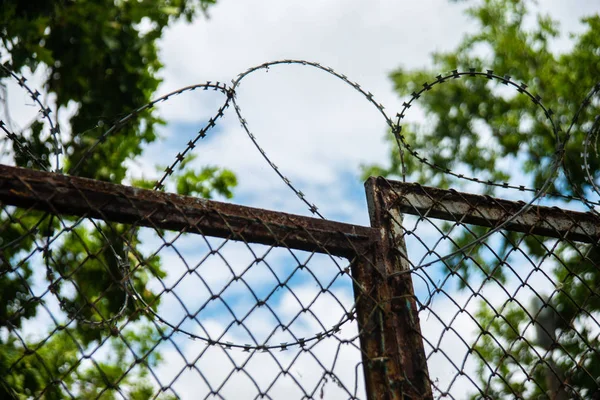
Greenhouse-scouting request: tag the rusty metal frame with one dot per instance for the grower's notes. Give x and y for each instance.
(450, 205)
(394, 361)
(71, 195)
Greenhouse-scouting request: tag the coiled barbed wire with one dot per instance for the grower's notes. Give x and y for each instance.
(45, 111)
(130, 116)
(521, 89)
(591, 136)
(236, 84)
(396, 128)
(73, 312)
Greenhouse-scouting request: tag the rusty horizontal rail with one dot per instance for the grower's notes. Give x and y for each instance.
(75, 196)
(451, 205)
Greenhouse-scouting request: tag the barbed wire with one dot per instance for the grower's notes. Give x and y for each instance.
(458, 244)
(265, 66)
(45, 112)
(396, 128)
(592, 135)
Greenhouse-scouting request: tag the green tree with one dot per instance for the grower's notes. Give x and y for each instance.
(102, 55)
(477, 128)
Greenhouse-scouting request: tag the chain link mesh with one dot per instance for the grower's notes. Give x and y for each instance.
(266, 321)
(507, 296)
(117, 292)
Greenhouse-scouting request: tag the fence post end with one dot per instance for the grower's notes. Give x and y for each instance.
(393, 354)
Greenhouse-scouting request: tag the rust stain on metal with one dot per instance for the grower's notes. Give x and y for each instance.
(70, 195)
(450, 205)
(387, 311)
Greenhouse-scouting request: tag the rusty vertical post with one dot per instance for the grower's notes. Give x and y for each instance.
(394, 360)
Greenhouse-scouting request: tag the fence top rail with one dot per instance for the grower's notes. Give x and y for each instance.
(451, 205)
(82, 197)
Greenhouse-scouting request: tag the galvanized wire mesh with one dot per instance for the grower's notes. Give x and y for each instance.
(508, 295)
(116, 292)
(113, 295)
(266, 320)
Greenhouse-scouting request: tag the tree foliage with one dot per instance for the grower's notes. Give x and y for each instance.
(478, 128)
(101, 56)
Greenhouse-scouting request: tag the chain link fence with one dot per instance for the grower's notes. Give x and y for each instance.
(266, 298)
(111, 291)
(507, 293)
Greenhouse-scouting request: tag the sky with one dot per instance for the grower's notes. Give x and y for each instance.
(318, 131)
